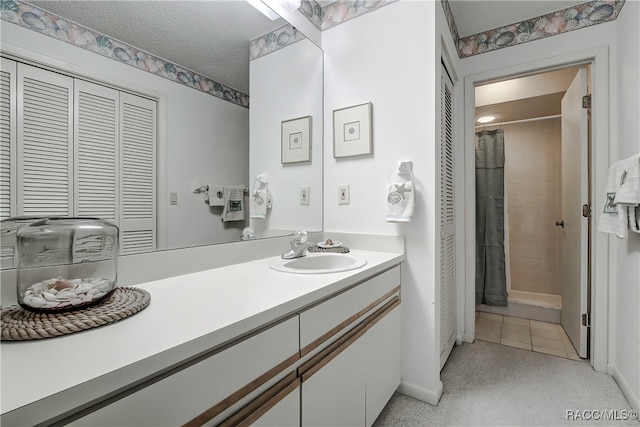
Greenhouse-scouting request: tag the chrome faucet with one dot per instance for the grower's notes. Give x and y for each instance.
(299, 245)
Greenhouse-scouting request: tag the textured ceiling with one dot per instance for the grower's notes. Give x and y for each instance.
(477, 16)
(209, 37)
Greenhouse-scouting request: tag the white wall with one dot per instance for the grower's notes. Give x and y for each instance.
(287, 84)
(626, 357)
(207, 139)
(391, 57)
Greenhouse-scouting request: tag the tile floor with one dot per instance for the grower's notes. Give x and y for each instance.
(542, 337)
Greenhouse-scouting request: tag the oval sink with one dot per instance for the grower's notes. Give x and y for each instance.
(319, 263)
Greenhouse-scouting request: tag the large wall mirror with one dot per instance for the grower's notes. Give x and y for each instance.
(205, 140)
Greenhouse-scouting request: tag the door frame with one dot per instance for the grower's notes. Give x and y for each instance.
(601, 256)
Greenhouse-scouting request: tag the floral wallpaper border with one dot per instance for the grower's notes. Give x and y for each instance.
(275, 40)
(552, 24)
(41, 21)
(339, 11)
(450, 21)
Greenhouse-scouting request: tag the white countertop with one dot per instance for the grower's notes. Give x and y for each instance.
(188, 314)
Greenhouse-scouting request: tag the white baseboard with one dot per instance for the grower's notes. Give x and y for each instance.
(625, 387)
(431, 397)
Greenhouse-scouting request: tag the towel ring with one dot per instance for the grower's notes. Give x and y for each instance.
(262, 184)
(403, 170)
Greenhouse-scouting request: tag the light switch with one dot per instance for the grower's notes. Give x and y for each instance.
(173, 198)
(304, 195)
(343, 194)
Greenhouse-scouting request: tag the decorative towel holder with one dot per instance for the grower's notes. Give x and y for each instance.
(405, 170)
(262, 183)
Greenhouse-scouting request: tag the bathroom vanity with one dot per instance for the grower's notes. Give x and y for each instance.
(236, 345)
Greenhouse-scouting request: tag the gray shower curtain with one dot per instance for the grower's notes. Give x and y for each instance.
(491, 281)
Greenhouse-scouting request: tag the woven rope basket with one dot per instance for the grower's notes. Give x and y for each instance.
(19, 324)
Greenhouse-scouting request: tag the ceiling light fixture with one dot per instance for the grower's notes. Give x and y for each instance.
(486, 119)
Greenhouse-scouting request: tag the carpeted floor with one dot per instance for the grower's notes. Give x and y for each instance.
(487, 384)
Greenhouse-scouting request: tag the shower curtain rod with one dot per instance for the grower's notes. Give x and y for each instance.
(520, 121)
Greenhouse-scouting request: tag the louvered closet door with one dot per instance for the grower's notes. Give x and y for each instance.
(8, 205)
(447, 224)
(45, 141)
(96, 151)
(8, 114)
(138, 174)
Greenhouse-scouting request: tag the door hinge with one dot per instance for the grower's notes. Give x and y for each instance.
(586, 320)
(586, 101)
(586, 210)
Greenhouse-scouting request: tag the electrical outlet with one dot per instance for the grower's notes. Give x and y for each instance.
(343, 194)
(304, 195)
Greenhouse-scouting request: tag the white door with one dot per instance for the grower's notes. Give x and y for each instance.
(575, 179)
(447, 223)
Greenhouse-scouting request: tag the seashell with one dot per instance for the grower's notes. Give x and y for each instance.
(99, 295)
(93, 292)
(505, 38)
(9, 5)
(103, 287)
(32, 20)
(83, 289)
(87, 298)
(76, 301)
(66, 295)
(50, 304)
(283, 39)
(34, 302)
(49, 296)
(600, 13)
(183, 77)
(121, 54)
(61, 284)
(103, 41)
(64, 304)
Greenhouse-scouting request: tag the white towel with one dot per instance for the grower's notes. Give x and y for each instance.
(614, 218)
(401, 198)
(233, 209)
(259, 200)
(629, 192)
(216, 195)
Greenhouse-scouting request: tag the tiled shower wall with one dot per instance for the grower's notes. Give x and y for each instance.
(533, 181)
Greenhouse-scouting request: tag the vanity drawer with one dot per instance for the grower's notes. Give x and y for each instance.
(210, 389)
(325, 322)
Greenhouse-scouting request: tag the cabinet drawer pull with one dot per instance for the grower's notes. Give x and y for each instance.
(263, 403)
(324, 337)
(238, 395)
(317, 362)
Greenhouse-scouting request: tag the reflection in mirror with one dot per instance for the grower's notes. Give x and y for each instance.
(287, 85)
(204, 139)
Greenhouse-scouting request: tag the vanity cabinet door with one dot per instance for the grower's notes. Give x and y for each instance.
(209, 391)
(349, 381)
(335, 394)
(382, 362)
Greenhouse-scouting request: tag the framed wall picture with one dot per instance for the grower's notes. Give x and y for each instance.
(296, 140)
(352, 131)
